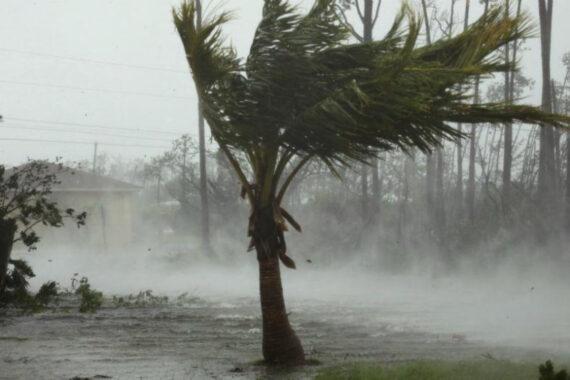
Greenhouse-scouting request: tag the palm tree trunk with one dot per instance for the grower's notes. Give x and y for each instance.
(7, 231)
(280, 343)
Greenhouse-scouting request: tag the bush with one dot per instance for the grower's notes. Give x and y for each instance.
(17, 294)
(47, 293)
(91, 300)
(547, 372)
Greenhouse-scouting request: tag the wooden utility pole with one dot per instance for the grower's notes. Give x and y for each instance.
(204, 206)
(94, 170)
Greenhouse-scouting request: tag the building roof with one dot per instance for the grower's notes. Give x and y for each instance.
(78, 180)
(72, 180)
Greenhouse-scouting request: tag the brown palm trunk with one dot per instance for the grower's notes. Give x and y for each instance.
(280, 343)
(7, 231)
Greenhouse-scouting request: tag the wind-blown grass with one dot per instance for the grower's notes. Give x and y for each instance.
(435, 370)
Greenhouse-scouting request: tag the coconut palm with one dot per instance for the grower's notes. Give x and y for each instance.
(306, 93)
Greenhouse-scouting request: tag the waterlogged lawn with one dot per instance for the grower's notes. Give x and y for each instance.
(439, 370)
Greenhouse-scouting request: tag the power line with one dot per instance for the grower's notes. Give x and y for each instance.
(94, 61)
(98, 126)
(81, 142)
(83, 89)
(67, 130)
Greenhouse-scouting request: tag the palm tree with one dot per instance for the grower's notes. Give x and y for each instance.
(305, 93)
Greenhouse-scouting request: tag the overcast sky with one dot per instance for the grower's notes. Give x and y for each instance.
(68, 65)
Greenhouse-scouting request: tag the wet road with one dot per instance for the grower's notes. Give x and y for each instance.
(339, 316)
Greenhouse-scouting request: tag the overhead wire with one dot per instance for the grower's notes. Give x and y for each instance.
(102, 90)
(93, 126)
(71, 142)
(64, 130)
(93, 61)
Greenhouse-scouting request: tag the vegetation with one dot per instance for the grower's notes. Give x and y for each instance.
(440, 370)
(142, 299)
(17, 294)
(91, 300)
(305, 93)
(547, 372)
(24, 204)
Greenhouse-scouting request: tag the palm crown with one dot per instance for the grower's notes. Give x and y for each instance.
(305, 90)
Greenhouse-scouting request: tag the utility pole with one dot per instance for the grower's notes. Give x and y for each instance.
(204, 209)
(95, 158)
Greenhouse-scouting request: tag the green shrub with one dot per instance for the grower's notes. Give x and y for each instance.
(47, 293)
(142, 299)
(547, 372)
(434, 370)
(16, 293)
(91, 300)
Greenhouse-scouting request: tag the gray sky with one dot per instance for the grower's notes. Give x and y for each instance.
(159, 97)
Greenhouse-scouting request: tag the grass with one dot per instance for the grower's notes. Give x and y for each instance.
(435, 370)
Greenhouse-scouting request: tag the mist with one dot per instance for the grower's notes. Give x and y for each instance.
(299, 224)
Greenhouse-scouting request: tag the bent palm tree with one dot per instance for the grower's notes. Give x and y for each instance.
(305, 93)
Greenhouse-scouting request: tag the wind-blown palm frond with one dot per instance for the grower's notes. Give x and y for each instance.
(304, 89)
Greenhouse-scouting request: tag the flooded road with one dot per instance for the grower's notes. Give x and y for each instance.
(214, 330)
(198, 340)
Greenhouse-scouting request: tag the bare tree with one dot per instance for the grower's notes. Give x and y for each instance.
(509, 98)
(430, 163)
(546, 173)
(565, 108)
(368, 14)
(473, 147)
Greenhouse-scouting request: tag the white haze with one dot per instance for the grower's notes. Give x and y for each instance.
(520, 302)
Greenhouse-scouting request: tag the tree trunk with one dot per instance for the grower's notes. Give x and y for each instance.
(508, 143)
(459, 184)
(430, 160)
(568, 181)
(280, 343)
(547, 177)
(473, 150)
(364, 188)
(7, 231)
(375, 187)
(509, 99)
(471, 177)
(367, 26)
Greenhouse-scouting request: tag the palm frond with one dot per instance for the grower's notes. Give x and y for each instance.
(305, 89)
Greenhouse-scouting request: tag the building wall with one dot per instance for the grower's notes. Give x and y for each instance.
(109, 222)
